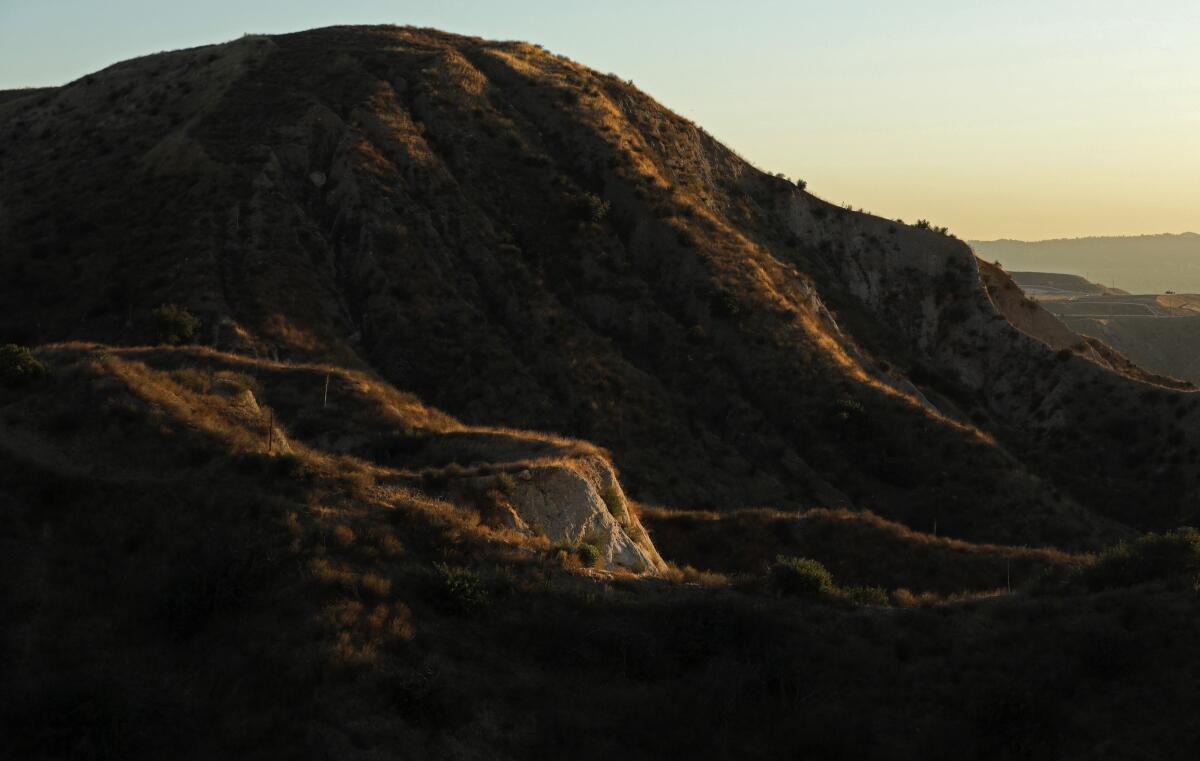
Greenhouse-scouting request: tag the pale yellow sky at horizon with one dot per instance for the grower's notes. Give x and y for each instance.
(1028, 121)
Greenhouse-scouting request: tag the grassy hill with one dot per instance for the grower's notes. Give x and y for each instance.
(342, 328)
(178, 582)
(733, 340)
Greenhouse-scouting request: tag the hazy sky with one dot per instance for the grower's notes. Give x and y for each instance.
(1002, 118)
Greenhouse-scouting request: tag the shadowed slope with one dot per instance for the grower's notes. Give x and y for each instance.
(173, 590)
(524, 242)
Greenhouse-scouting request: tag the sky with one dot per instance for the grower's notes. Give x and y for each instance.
(997, 118)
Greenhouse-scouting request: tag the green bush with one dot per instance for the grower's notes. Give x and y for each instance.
(589, 554)
(506, 484)
(615, 503)
(174, 324)
(864, 595)
(801, 577)
(588, 207)
(18, 366)
(459, 588)
(1148, 558)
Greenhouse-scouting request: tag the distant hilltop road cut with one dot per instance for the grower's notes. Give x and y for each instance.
(1058, 284)
(1160, 332)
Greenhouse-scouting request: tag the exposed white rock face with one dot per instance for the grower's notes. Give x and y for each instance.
(565, 502)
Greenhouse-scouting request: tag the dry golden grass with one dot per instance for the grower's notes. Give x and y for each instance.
(688, 575)
(177, 385)
(906, 598)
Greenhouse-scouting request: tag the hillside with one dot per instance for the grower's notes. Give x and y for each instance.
(206, 556)
(506, 388)
(1135, 263)
(332, 195)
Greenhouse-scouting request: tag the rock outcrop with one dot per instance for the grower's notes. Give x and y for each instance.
(580, 500)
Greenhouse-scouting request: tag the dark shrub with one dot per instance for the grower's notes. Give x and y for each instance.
(174, 324)
(459, 589)
(1148, 558)
(18, 366)
(293, 467)
(725, 304)
(588, 207)
(800, 577)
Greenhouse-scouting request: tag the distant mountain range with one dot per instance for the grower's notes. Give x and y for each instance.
(1135, 263)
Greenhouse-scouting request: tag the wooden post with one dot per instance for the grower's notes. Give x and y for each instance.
(325, 401)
